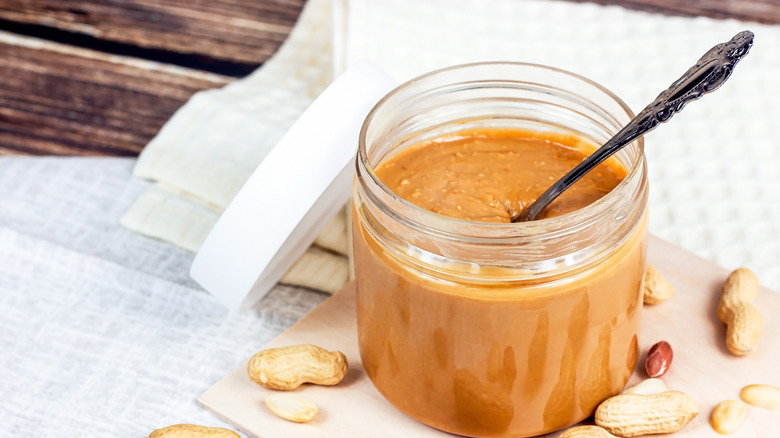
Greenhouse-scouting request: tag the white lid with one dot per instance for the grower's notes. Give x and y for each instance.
(291, 195)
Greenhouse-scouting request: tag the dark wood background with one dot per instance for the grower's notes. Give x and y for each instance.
(101, 77)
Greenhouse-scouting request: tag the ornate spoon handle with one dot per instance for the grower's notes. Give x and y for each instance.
(707, 75)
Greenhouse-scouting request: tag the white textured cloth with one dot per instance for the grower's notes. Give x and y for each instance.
(102, 333)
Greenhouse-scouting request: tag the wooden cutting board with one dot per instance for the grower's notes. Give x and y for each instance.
(702, 366)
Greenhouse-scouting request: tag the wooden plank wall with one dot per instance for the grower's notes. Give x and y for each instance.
(99, 77)
(236, 30)
(56, 99)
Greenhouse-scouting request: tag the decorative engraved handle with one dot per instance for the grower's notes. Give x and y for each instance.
(707, 75)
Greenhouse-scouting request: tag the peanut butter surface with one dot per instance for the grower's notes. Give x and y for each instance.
(492, 175)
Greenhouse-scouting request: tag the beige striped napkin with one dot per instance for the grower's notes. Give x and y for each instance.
(203, 155)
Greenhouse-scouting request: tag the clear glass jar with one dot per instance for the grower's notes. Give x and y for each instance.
(487, 329)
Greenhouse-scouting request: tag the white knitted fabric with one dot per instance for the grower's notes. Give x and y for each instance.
(102, 333)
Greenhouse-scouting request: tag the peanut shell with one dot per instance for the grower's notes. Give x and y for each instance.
(287, 368)
(741, 286)
(586, 432)
(744, 329)
(629, 415)
(193, 431)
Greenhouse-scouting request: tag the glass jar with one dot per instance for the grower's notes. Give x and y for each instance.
(488, 329)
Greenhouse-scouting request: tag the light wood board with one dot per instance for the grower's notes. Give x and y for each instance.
(701, 367)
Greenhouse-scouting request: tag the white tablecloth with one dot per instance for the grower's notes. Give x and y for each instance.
(102, 333)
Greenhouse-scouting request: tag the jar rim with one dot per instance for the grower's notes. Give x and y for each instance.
(550, 226)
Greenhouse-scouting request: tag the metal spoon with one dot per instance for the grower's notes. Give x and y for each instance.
(707, 75)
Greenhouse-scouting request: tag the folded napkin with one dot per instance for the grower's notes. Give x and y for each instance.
(204, 154)
(714, 185)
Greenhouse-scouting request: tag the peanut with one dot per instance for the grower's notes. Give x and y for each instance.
(291, 408)
(744, 329)
(657, 288)
(586, 432)
(659, 359)
(744, 322)
(629, 415)
(193, 431)
(741, 286)
(728, 416)
(650, 386)
(288, 367)
(763, 396)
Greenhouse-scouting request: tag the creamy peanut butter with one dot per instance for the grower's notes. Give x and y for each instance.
(492, 175)
(496, 359)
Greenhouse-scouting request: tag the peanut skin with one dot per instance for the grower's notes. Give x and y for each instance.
(193, 431)
(287, 368)
(659, 359)
(735, 309)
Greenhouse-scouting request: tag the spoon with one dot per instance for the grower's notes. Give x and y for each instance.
(707, 75)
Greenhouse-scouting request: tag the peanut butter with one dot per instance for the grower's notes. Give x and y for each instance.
(492, 175)
(497, 359)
